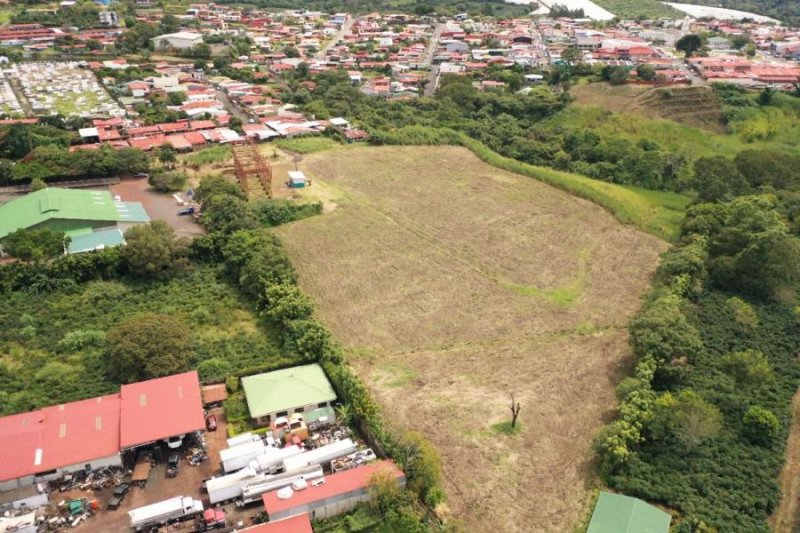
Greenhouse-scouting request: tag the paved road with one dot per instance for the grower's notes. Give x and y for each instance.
(344, 30)
(427, 59)
(232, 108)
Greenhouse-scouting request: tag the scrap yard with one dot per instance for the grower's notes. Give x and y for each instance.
(175, 467)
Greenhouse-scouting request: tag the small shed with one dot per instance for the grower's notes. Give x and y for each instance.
(297, 180)
(214, 394)
(617, 513)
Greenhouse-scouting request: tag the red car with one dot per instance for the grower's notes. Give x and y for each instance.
(211, 422)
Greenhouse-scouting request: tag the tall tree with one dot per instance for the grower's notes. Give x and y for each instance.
(689, 44)
(152, 251)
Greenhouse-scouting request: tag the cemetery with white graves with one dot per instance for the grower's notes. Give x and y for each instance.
(63, 88)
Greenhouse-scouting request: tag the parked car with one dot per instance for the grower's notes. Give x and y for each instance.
(186, 211)
(211, 422)
(173, 463)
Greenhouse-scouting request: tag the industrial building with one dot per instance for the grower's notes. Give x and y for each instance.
(43, 445)
(92, 219)
(295, 524)
(298, 389)
(182, 40)
(340, 493)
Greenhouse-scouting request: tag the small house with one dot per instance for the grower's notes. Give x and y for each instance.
(280, 393)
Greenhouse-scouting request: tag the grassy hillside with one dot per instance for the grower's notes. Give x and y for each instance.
(635, 9)
(787, 10)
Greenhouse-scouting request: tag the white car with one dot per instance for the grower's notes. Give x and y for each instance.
(175, 442)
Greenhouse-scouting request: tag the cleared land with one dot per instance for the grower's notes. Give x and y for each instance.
(453, 284)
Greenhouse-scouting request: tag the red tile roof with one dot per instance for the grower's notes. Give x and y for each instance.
(295, 524)
(195, 138)
(160, 408)
(58, 436)
(178, 141)
(335, 484)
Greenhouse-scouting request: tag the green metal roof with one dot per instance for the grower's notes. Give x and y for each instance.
(131, 212)
(617, 513)
(95, 240)
(286, 389)
(55, 203)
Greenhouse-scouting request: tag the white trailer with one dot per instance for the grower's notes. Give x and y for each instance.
(319, 456)
(224, 488)
(238, 457)
(174, 509)
(272, 460)
(252, 491)
(244, 438)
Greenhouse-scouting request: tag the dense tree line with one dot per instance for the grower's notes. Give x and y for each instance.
(702, 423)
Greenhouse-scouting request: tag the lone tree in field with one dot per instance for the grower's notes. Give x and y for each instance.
(689, 44)
(515, 407)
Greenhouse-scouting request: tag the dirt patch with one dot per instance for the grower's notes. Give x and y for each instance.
(159, 206)
(453, 284)
(786, 517)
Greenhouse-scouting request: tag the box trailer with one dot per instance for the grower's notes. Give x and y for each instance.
(252, 492)
(319, 456)
(272, 460)
(172, 510)
(238, 457)
(224, 488)
(244, 438)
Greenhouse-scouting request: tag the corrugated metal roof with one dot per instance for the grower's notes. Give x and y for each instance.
(617, 513)
(295, 524)
(95, 240)
(280, 390)
(335, 484)
(64, 204)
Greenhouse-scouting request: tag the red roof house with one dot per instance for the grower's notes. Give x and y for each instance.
(160, 408)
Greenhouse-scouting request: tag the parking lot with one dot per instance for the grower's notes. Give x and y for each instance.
(159, 487)
(159, 206)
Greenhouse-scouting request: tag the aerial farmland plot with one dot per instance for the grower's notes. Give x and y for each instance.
(453, 284)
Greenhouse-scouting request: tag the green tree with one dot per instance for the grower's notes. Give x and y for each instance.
(225, 213)
(18, 141)
(663, 331)
(760, 426)
(717, 178)
(570, 55)
(646, 72)
(35, 244)
(213, 370)
(153, 252)
(750, 369)
(167, 181)
(148, 346)
(176, 98)
(216, 184)
(167, 155)
(689, 44)
(423, 466)
(287, 302)
(37, 184)
(686, 417)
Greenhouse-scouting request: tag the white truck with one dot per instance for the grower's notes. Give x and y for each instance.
(229, 487)
(272, 459)
(172, 510)
(242, 438)
(319, 456)
(239, 456)
(252, 492)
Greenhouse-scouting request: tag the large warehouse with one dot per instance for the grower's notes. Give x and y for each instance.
(92, 219)
(44, 444)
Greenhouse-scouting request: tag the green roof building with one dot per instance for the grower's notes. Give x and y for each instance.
(299, 389)
(617, 513)
(75, 212)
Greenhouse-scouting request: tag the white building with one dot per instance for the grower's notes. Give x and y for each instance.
(182, 40)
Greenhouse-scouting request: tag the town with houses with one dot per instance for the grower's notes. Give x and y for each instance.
(158, 454)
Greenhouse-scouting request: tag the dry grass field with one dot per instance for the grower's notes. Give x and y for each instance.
(453, 284)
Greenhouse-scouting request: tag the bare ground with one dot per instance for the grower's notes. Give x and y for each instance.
(453, 284)
(786, 517)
